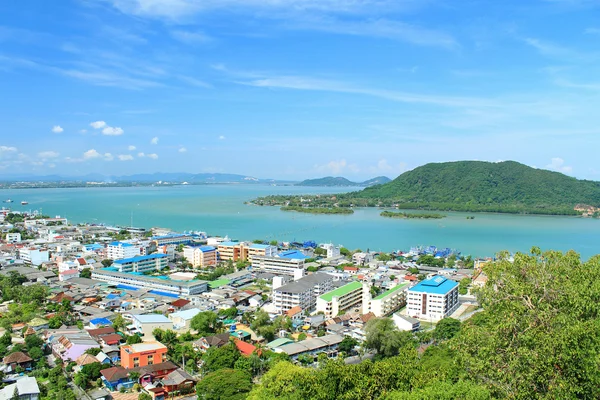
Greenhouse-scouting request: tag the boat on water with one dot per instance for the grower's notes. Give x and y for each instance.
(8, 201)
(24, 203)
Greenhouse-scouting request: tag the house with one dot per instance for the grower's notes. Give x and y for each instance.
(178, 305)
(112, 339)
(146, 323)
(151, 373)
(99, 394)
(99, 322)
(116, 377)
(98, 333)
(182, 319)
(245, 348)
(295, 314)
(327, 344)
(16, 360)
(25, 388)
(142, 354)
(85, 359)
(178, 380)
(406, 323)
(38, 324)
(204, 343)
(71, 344)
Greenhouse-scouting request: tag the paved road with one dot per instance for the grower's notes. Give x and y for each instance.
(359, 359)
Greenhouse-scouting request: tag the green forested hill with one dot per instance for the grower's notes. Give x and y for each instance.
(481, 186)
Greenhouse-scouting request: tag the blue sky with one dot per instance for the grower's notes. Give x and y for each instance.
(292, 89)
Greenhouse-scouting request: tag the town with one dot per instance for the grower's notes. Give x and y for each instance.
(98, 312)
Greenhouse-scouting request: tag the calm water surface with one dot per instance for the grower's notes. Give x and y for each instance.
(220, 210)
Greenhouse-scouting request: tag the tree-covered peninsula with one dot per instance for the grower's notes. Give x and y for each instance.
(473, 186)
(392, 214)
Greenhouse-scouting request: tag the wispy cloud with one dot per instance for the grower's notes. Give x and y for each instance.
(558, 164)
(193, 81)
(153, 156)
(182, 150)
(57, 129)
(154, 140)
(112, 131)
(98, 124)
(337, 167)
(48, 154)
(189, 37)
(131, 147)
(125, 157)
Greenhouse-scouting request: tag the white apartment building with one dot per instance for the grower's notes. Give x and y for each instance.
(389, 301)
(201, 256)
(332, 250)
(152, 262)
(280, 265)
(119, 250)
(433, 299)
(34, 256)
(302, 293)
(341, 299)
(180, 288)
(14, 237)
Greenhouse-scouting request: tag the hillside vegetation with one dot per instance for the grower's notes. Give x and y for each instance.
(507, 186)
(341, 181)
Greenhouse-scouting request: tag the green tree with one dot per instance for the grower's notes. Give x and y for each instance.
(231, 384)
(36, 353)
(384, 257)
(383, 337)
(446, 328)
(107, 263)
(301, 336)
(144, 396)
(6, 339)
(119, 323)
(206, 323)
(229, 313)
(347, 345)
(134, 339)
(86, 273)
(217, 358)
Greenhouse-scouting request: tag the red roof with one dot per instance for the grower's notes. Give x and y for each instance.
(350, 269)
(81, 261)
(245, 348)
(180, 303)
(111, 339)
(410, 278)
(293, 311)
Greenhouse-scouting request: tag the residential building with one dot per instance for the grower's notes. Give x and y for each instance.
(206, 342)
(280, 265)
(152, 262)
(332, 250)
(15, 360)
(183, 319)
(433, 298)
(201, 256)
(362, 258)
(142, 354)
(144, 324)
(34, 255)
(389, 301)
(116, 377)
(156, 285)
(233, 251)
(302, 293)
(341, 299)
(68, 274)
(70, 344)
(25, 388)
(120, 250)
(327, 344)
(406, 323)
(13, 237)
(178, 380)
(261, 250)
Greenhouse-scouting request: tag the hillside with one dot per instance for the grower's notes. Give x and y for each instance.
(340, 181)
(507, 186)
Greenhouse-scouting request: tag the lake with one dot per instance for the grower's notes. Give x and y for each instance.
(220, 210)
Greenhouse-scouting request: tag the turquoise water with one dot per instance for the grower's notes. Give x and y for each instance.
(220, 210)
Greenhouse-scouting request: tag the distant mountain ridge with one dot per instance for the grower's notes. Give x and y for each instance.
(341, 181)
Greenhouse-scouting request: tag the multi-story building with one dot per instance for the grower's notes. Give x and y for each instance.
(174, 238)
(119, 250)
(34, 255)
(280, 265)
(332, 250)
(433, 298)
(145, 324)
(152, 262)
(180, 288)
(143, 354)
(302, 293)
(13, 237)
(389, 301)
(341, 299)
(261, 250)
(233, 251)
(200, 256)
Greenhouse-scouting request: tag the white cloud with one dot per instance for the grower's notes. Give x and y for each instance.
(131, 148)
(140, 154)
(125, 157)
(112, 131)
(48, 154)
(98, 124)
(83, 131)
(558, 164)
(384, 167)
(57, 129)
(190, 37)
(90, 154)
(182, 150)
(336, 167)
(108, 157)
(221, 137)
(7, 149)
(154, 140)
(153, 156)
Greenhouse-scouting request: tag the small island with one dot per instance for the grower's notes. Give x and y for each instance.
(391, 214)
(318, 210)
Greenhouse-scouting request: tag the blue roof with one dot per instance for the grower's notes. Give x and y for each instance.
(229, 243)
(207, 248)
(139, 258)
(259, 246)
(120, 244)
(101, 321)
(167, 294)
(435, 285)
(293, 254)
(111, 296)
(171, 236)
(187, 314)
(126, 287)
(94, 246)
(151, 318)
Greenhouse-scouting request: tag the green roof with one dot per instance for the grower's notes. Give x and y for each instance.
(279, 342)
(352, 286)
(218, 283)
(392, 290)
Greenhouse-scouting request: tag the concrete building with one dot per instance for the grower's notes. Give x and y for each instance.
(120, 250)
(332, 250)
(174, 238)
(201, 256)
(280, 265)
(182, 319)
(302, 293)
(232, 251)
(14, 237)
(34, 255)
(261, 250)
(25, 388)
(406, 323)
(152, 262)
(158, 285)
(341, 299)
(327, 344)
(389, 301)
(433, 298)
(143, 354)
(144, 324)
(362, 258)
